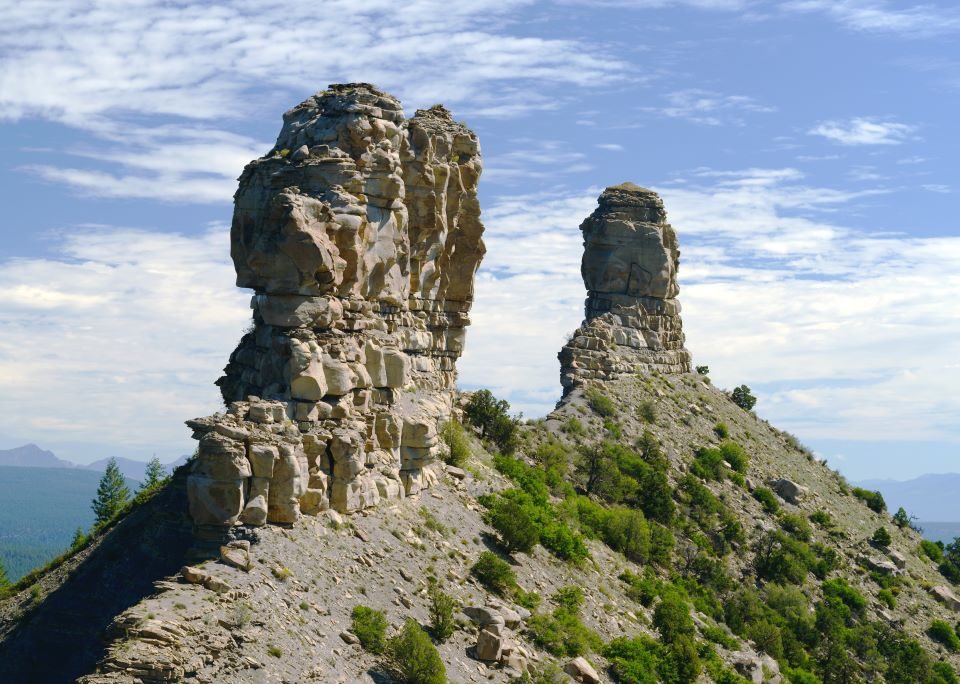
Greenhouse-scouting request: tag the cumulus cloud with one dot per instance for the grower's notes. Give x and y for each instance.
(864, 131)
(116, 338)
(822, 320)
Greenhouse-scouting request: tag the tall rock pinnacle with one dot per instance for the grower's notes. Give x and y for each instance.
(360, 235)
(632, 319)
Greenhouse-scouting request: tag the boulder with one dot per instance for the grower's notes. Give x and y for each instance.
(788, 490)
(582, 671)
(489, 645)
(946, 596)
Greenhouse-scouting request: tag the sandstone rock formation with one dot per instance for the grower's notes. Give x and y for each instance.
(632, 320)
(360, 236)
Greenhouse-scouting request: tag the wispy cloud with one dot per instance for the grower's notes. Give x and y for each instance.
(875, 16)
(709, 108)
(120, 71)
(864, 131)
(112, 321)
(826, 301)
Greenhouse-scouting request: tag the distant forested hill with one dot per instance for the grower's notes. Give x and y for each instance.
(40, 508)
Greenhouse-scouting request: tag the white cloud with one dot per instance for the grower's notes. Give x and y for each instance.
(864, 131)
(115, 69)
(873, 16)
(709, 108)
(832, 327)
(610, 147)
(117, 338)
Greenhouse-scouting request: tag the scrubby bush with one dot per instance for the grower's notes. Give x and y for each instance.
(881, 537)
(901, 518)
(887, 598)
(494, 574)
(370, 627)
(442, 606)
(931, 549)
(672, 618)
(644, 661)
(561, 632)
(703, 370)
(796, 526)
(647, 411)
(767, 499)
(735, 455)
(742, 397)
(600, 403)
(941, 632)
(708, 464)
(721, 430)
(874, 500)
(493, 417)
(515, 524)
(782, 559)
(413, 659)
(455, 438)
(950, 565)
(839, 588)
(574, 428)
(822, 518)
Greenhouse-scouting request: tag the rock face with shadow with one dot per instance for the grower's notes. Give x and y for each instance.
(632, 319)
(359, 234)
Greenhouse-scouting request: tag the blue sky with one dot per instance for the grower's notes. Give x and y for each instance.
(805, 151)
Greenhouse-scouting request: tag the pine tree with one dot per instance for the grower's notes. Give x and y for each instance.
(79, 539)
(155, 476)
(4, 582)
(112, 494)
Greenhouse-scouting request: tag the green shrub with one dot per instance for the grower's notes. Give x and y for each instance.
(494, 574)
(719, 636)
(370, 627)
(797, 675)
(886, 597)
(633, 661)
(574, 428)
(839, 588)
(721, 430)
(455, 438)
(942, 673)
(932, 550)
(742, 397)
(796, 526)
(647, 411)
(442, 607)
(672, 618)
(612, 428)
(950, 566)
(901, 518)
(874, 500)
(708, 464)
(822, 518)
(642, 589)
(881, 537)
(492, 416)
(601, 404)
(767, 499)
(274, 651)
(561, 632)
(782, 559)
(735, 455)
(515, 524)
(412, 657)
(941, 632)
(703, 370)
(767, 637)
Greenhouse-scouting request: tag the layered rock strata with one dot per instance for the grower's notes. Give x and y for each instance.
(632, 320)
(360, 235)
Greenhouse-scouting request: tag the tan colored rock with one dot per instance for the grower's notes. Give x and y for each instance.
(193, 575)
(582, 671)
(629, 267)
(946, 596)
(360, 242)
(235, 557)
(489, 645)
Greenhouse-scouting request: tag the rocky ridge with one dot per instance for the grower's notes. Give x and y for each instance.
(632, 315)
(359, 233)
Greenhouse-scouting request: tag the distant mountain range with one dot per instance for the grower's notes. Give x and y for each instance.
(928, 497)
(32, 456)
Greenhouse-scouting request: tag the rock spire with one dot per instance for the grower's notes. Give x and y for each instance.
(360, 235)
(632, 315)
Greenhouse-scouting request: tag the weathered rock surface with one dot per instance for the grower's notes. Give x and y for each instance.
(360, 236)
(632, 318)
